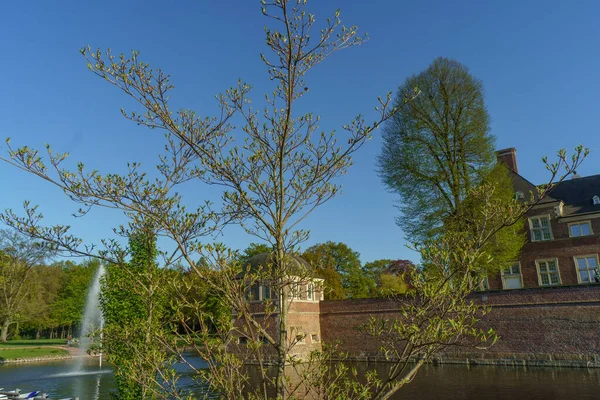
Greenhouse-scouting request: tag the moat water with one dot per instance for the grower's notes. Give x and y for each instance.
(432, 382)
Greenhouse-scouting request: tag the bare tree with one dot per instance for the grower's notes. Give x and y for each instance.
(280, 172)
(282, 169)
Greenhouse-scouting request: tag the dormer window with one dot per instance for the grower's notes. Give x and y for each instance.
(540, 228)
(596, 200)
(519, 195)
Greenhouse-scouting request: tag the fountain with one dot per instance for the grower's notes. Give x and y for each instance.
(92, 319)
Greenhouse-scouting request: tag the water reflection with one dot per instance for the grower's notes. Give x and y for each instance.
(58, 379)
(497, 382)
(432, 382)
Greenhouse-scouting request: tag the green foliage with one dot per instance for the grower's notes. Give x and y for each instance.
(504, 247)
(45, 283)
(19, 254)
(340, 266)
(391, 285)
(134, 304)
(34, 342)
(254, 249)
(374, 269)
(32, 352)
(437, 147)
(68, 308)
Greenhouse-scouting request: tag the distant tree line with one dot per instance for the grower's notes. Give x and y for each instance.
(40, 299)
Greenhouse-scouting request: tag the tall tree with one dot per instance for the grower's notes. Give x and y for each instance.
(18, 255)
(436, 148)
(134, 302)
(282, 170)
(44, 285)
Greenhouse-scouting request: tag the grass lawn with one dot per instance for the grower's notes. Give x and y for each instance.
(34, 342)
(35, 352)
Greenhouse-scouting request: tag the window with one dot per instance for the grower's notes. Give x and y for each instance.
(243, 340)
(580, 229)
(548, 272)
(540, 228)
(586, 268)
(314, 338)
(296, 332)
(483, 284)
(519, 195)
(296, 293)
(263, 340)
(511, 277)
(596, 200)
(266, 292)
(253, 293)
(310, 292)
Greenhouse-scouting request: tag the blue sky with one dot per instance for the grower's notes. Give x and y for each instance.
(539, 62)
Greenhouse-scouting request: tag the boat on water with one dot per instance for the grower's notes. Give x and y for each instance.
(35, 395)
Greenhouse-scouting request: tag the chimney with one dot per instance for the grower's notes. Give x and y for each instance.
(508, 157)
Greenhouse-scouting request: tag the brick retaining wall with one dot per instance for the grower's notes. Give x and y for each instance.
(540, 326)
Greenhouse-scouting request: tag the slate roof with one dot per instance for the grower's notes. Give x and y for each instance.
(577, 195)
(297, 265)
(522, 185)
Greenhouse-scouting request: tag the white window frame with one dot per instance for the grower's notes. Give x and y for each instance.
(298, 334)
(264, 288)
(546, 260)
(586, 256)
(310, 292)
(296, 291)
(589, 224)
(512, 275)
(596, 200)
(531, 228)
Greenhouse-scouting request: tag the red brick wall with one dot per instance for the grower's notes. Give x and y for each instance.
(562, 247)
(559, 323)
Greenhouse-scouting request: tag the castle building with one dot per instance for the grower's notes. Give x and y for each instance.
(563, 233)
(304, 293)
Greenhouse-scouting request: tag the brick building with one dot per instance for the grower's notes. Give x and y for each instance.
(563, 233)
(304, 293)
(545, 307)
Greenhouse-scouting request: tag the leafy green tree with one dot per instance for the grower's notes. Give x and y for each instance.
(506, 244)
(374, 269)
(390, 276)
(436, 148)
(134, 304)
(438, 312)
(19, 254)
(254, 249)
(391, 285)
(44, 285)
(339, 264)
(69, 306)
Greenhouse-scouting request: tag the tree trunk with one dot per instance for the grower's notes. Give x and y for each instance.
(5, 325)
(283, 306)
